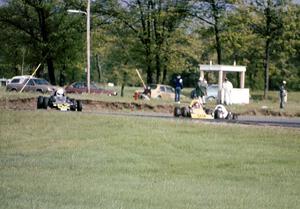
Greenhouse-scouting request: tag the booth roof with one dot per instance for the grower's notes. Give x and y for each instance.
(225, 68)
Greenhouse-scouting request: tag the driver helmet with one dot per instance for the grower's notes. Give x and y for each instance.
(60, 92)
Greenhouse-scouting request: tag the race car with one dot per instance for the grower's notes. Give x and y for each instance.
(196, 110)
(59, 101)
(220, 112)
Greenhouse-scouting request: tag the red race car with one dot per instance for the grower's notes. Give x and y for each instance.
(81, 87)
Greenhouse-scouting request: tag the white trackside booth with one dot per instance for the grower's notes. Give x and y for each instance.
(238, 95)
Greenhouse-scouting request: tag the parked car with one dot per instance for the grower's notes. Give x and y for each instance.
(81, 87)
(158, 91)
(212, 92)
(32, 84)
(162, 91)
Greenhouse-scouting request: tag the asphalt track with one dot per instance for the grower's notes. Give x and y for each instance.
(245, 120)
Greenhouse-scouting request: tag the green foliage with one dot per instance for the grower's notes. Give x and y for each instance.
(148, 27)
(160, 38)
(39, 32)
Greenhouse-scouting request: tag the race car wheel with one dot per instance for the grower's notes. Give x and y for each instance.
(234, 116)
(217, 114)
(185, 111)
(40, 102)
(45, 102)
(229, 116)
(79, 105)
(177, 111)
(51, 100)
(73, 105)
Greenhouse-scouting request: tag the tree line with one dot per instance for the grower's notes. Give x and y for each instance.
(161, 38)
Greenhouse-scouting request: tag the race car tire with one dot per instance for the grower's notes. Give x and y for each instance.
(177, 111)
(229, 116)
(185, 112)
(73, 105)
(217, 114)
(234, 116)
(51, 101)
(45, 102)
(40, 102)
(79, 105)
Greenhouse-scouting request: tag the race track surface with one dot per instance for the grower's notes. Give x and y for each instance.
(246, 120)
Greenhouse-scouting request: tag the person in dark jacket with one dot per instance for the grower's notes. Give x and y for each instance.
(178, 86)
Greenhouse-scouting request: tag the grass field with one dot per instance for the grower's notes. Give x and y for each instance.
(54, 160)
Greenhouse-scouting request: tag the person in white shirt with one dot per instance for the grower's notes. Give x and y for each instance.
(227, 87)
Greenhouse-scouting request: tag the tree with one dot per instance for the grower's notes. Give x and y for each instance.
(212, 13)
(242, 45)
(152, 22)
(288, 50)
(268, 24)
(42, 28)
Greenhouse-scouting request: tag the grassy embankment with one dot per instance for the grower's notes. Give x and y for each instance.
(76, 160)
(256, 102)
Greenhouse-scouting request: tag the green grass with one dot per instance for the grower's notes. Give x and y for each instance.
(56, 160)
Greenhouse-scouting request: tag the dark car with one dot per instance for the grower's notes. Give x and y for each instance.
(31, 84)
(81, 87)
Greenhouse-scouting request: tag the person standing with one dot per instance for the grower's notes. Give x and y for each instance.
(282, 94)
(146, 93)
(178, 87)
(201, 89)
(227, 87)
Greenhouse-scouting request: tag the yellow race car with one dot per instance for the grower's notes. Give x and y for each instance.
(197, 111)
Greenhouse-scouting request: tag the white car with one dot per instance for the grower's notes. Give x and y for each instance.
(162, 91)
(32, 84)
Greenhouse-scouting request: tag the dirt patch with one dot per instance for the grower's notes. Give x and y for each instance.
(88, 105)
(267, 112)
(91, 106)
(18, 104)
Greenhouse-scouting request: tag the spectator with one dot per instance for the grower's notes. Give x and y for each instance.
(178, 86)
(282, 94)
(201, 89)
(227, 87)
(147, 93)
